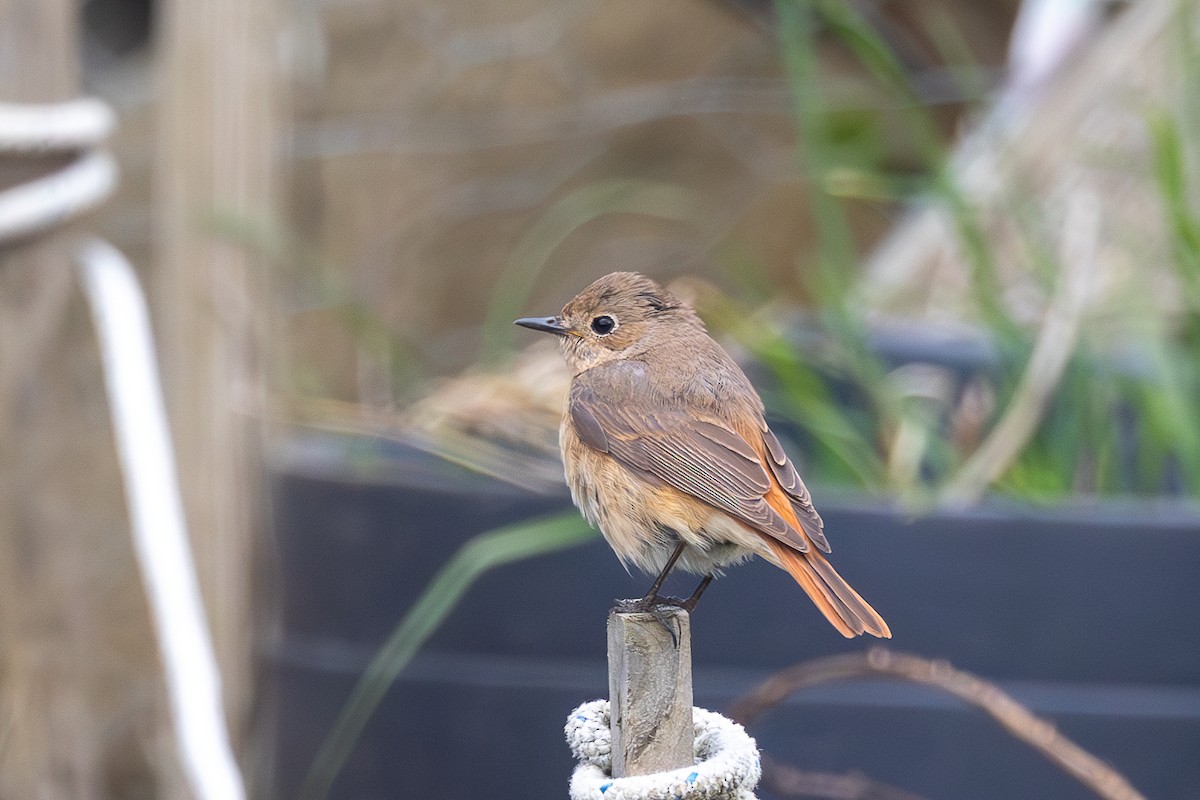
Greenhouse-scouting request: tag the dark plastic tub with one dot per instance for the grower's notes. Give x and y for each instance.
(1090, 615)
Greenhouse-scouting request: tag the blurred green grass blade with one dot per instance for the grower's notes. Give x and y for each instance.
(532, 253)
(1171, 172)
(475, 557)
(856, 32)
(827, 161)
(873, 52)
(1170, 410)
(870, 48)
(835, 240)
(952, 46)
(1186, 100)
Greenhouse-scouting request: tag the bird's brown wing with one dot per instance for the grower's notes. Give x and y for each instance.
(697, 455)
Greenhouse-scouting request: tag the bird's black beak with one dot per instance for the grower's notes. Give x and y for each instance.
(547, 324)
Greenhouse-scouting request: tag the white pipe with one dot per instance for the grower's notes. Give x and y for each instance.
(156, 513)
(45, 202)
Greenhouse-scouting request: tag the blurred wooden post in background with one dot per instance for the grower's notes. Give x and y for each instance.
(218, 158)
(650, 691)
(38, 685)
(39, 43)
(78, 668)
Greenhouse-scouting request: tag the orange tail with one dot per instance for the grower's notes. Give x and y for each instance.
(840, 604)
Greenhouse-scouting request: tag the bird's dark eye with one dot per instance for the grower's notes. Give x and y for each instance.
(603, 325)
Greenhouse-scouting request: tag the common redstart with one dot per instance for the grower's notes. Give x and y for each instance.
(666, 450)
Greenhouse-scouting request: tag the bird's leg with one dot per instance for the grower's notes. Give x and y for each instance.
(690, 604)
(652, 599)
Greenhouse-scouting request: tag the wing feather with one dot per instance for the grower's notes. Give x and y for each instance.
(701, 457)
(790, 482)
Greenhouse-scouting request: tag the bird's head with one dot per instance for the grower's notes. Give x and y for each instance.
(618, 316)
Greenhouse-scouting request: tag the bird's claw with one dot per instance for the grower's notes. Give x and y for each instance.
(646, 605)
(658, 607)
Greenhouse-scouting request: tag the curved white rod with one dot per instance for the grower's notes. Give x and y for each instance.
(37, 205)
(74, 125)
(156, 512)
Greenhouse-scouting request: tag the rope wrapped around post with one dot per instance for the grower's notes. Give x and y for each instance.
(44, 202)
(727, 765)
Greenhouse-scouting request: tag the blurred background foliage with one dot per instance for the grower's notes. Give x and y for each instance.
(769, 163)
(453, 167)
(1099, 385)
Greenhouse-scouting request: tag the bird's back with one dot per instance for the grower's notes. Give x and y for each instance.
(687, 368)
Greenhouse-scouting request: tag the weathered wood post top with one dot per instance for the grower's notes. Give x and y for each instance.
(650, 690)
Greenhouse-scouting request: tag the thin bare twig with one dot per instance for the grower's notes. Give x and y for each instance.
(1012, 716)
(786, 780)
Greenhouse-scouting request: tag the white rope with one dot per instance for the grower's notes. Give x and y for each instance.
(45, 202)
(727, 764)
(73, 125)
(156, 512)
(49, 201)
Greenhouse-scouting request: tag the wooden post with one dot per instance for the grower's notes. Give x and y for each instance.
(74, 678)
(650, 690)
(218, 158)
